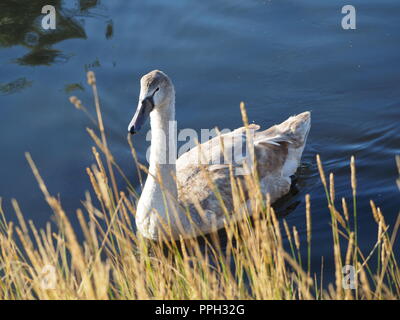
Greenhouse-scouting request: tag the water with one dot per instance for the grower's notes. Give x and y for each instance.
(280, 57)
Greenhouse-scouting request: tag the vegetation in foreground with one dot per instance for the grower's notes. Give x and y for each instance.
(113, 262)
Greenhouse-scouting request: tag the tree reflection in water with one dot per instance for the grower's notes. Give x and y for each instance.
(20, 24)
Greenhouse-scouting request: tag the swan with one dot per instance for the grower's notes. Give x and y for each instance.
(174, 190)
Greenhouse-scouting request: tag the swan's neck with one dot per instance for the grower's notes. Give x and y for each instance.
(159, 195)
(163, 142)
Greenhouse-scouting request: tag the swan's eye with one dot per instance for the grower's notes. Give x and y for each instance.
(156, 90)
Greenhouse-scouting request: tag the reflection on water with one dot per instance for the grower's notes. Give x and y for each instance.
(15, 86)
(42, 56)
(21, 25)
(109, 29)
(69, 88)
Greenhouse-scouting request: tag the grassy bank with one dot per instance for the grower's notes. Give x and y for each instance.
(115, 263)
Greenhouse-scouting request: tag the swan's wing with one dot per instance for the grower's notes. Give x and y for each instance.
(289, 138)
(226, 149)
(204, 170)
(200, 171)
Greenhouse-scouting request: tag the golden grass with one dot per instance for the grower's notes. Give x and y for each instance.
(115, 263)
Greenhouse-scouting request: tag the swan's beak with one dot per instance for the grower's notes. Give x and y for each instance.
(142, 113)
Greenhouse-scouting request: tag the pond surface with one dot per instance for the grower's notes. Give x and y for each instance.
(280, 57)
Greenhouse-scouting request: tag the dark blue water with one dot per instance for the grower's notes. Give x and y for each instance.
(280, 57)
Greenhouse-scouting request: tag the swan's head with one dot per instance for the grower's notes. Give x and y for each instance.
(156, 91)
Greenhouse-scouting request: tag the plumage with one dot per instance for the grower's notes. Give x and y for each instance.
(185, 203)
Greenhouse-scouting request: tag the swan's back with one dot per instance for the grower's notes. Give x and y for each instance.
(277, 151)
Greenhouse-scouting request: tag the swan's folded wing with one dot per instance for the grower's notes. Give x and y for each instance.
(206, 168)
(228, 148)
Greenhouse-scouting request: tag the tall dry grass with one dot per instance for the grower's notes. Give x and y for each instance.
(113, 262)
